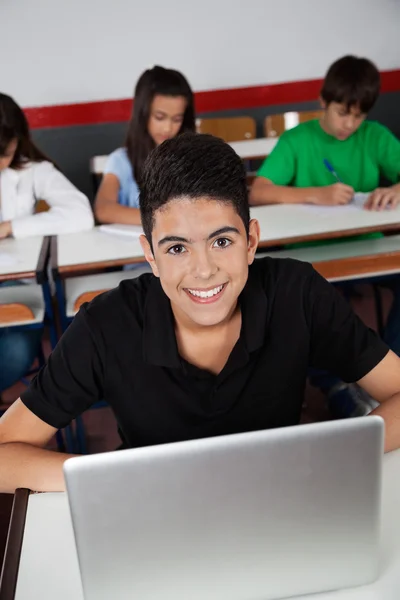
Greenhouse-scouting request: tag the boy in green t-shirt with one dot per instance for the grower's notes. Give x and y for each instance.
(359, 151)
(325, 162)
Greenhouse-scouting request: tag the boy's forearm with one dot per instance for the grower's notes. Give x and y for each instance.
(268, 193)
(111, 212)
(37, 469)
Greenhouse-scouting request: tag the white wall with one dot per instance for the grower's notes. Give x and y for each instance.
(64, 51)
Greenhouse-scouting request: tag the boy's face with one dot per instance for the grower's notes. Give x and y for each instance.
(201, 255)
(339, 121)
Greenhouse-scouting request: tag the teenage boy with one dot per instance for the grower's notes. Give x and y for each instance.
(359, 151)
(212, 343)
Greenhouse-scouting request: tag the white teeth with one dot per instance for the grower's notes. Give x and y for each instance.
(207, 294)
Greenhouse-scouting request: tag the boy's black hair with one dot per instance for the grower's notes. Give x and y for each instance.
(192, 166)
(352, 81)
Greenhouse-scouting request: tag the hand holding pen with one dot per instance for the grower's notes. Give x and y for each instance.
(336, 194)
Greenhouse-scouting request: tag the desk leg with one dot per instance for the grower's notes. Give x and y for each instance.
(9, 573)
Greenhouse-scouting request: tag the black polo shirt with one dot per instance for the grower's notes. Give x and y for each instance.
(122, 348)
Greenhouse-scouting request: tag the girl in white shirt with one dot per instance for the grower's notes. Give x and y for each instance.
(27, 176)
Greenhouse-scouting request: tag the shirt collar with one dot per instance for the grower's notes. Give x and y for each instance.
(159, 340)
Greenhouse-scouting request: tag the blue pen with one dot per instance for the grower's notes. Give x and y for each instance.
(332, 170)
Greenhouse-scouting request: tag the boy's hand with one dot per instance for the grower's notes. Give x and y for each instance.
(383, 198)
(334, 195)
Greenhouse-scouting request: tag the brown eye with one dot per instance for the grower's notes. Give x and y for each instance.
(177, 249)
(222, 243)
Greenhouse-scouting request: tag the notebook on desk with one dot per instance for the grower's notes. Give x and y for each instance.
(260, 515)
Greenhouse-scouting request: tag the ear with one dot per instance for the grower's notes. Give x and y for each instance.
(254, 238)
(147, 251)
(322, 103)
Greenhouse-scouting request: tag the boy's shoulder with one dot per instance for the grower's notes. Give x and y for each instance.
(302, 130)
(373, 129)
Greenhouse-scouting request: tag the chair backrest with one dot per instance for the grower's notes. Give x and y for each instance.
(41, 206)
(233, 129)
(98, 164)
(275, 125)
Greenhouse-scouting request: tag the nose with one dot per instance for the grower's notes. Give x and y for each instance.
(349, 122)
(167, 126)
(203, 266)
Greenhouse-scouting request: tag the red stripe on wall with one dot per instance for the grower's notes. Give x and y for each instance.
(115, 111)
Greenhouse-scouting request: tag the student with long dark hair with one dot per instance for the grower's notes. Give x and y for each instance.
(26, 176)
(163, 108)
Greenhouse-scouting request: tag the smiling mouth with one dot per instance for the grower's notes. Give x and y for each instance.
(205, 295)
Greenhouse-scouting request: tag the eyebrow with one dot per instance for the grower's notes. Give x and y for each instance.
(164, 114)
(176, 238)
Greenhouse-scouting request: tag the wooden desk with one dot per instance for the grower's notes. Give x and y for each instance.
(280, 224)
(28, 258)
(288, 223)
(49, 567)
(253, 149)
(349, 260)
(93, 250)
(246, 149)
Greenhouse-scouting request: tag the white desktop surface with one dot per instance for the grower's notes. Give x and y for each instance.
(20, 256)
(49, 566)
(95, 246)
(286, 221)
(257, 148)
(277, 222)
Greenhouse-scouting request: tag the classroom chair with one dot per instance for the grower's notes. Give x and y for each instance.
(41, 206)
(97, 165)
(230, 129)
(275, 125)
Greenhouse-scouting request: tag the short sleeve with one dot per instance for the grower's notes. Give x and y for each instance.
(280, 165)
(340, 342)
(72, 380)
(118, 164)
(388, 153)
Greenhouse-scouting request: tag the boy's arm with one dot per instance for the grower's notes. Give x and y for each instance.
(23, 460)
(383, 384)
(264, 191)
(275, 176)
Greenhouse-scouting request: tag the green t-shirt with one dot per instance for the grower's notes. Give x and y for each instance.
(359, 161)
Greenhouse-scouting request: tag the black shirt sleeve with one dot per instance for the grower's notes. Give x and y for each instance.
(72, 380)
(340, 341)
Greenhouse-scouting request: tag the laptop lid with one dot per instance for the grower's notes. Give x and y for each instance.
(253, 516)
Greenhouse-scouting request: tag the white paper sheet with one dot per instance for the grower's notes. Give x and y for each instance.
(355, 205)
(134, 231)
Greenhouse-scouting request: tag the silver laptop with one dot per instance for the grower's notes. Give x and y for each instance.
(253, 516)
